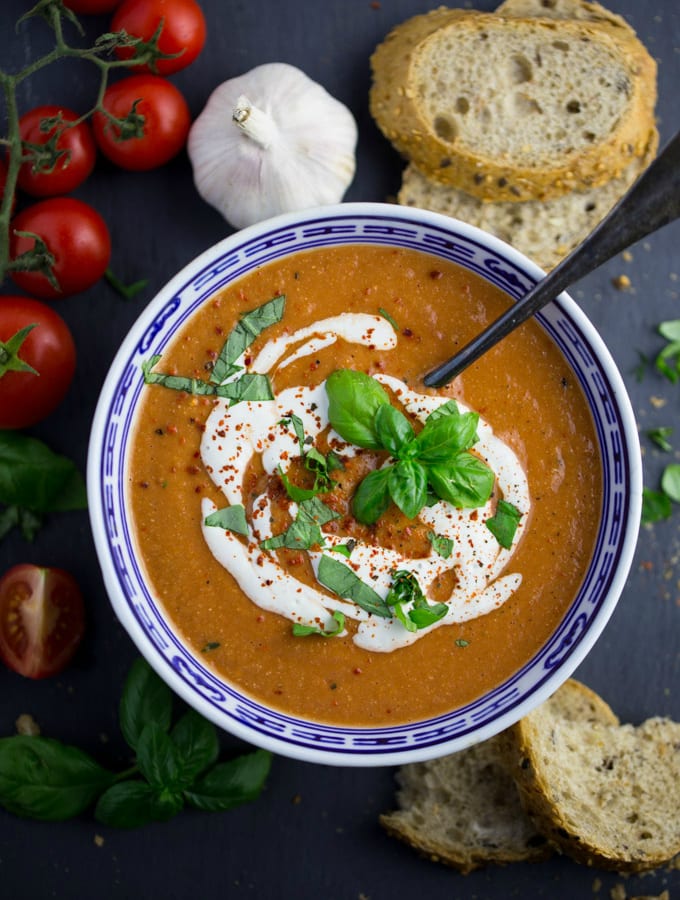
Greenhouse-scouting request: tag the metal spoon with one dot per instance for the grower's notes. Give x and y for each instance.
(652, 202)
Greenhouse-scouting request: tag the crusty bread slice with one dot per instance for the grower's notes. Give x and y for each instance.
(607, 795)
(509, 108)
(545, 231)
(464, 809)
(563, 9)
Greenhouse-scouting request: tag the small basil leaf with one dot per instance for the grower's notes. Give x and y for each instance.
(503, 524)
(465, 482)
(670, 482)
(445, 436)
(296, 494)
(407, 484)
(243, 335)
(405, 588)
(300, 630)
(441, 545)
(251, 386)
(450, 408)
(231, 783)
(392, 428)
(655, 506)
(298, 427)
(197, 744)
(344, 582)
(159, 758)
(425, 615)
(404, 618)
(353, 401)
(305, 531)
(372, 496)
(128, 804)
(231, 518)
(344, 549)
(660, 437)
(34, 478)
(146, 698)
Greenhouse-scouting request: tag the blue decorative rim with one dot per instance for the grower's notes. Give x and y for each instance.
(142, 615)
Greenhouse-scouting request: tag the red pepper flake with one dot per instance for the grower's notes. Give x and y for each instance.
(247, 360)
(171, 429)
(144, 484)
(357, 671)
(260, 618)
(407, 332)
(435, 274)
(192, 470)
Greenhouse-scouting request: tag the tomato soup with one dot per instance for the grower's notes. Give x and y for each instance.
(246, 514)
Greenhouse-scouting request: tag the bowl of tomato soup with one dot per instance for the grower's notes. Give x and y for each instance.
(317, 552)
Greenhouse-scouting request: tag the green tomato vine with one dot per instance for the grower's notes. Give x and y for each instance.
(102, 55)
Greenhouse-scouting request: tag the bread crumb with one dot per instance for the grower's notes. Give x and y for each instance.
(597, 886)
(627, 256)
(618, 892)
(621, 282)
(99, 840)
(27, 725)
(658, 402)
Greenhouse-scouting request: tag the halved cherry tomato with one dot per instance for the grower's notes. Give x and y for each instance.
(42, 619)
(91, 7)
(71, 168)
(76, 236)
(27, 395)
(163, 131)
(183, 31)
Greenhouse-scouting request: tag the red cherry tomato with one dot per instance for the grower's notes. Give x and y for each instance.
(26, 397)
(183, 31)
(42, 619)
(164, 129)
(74, 233)
(72, 168)
(91, 7)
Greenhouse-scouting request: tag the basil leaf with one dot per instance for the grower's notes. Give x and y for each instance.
(660, 437)
(41, 778)
(441, 545)
(297, 494)
(655, 506)
(425, 615)
(372, 496)
(407, 484)
(231, 518)
(344, 582)
(670, 482)
(251, 386)
(298, 427)
(392, 428)
(353, 401)
(197, 743)
(405, 588)
(344, 549)
(159, 759)
(670, 330)
(34, 478)
(450, 408)
(503, 524)
(305, 531)
(231, 783)
(388, 317)
(464, 482)
(243, 335)
(321, 466)
(445, 436)
(146, 698)
(128, 804)
(300, 630)
(404, 618)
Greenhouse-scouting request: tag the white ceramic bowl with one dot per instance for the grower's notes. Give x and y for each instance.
(143, 616)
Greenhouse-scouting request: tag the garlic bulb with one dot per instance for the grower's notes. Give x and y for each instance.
(271, 141)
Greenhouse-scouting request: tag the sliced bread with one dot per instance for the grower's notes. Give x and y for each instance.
(563, 9)
(509, 108)
(464, 809)
(545, 231)
(607, 795)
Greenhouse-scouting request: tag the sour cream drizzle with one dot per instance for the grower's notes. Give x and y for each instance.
(234, 435)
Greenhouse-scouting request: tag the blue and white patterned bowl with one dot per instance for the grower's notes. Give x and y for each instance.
(143, 616)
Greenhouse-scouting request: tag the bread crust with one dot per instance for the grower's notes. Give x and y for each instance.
(536, 750)
(396, 103)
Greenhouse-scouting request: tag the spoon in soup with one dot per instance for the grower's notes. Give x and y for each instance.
(652, 202)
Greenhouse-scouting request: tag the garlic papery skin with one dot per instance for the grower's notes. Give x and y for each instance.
(271, 141)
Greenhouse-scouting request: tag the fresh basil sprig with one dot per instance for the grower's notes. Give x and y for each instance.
(435, 462)
(175, 766)
(249, 386)
(35, 481)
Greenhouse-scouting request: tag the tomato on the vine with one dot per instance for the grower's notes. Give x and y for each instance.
(42, 619)
(91, 7)
(36, 368)
(72, 167)
(163, 125)
(183, 32)
(74, 234)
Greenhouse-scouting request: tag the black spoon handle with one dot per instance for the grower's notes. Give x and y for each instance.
(652, 202)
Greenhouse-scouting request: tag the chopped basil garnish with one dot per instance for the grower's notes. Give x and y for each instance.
(668, 360)
(441, 545)
(243, 335)
(340, 579)
(406, 589)
(231, 518)
(660, 437)
(305, 531)
(305, 630)
(504, 524)
(670, 482)
(388, 317)
(461, 642)
(314, 461)
(433, 464)
(345, 549)
(655, 506)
